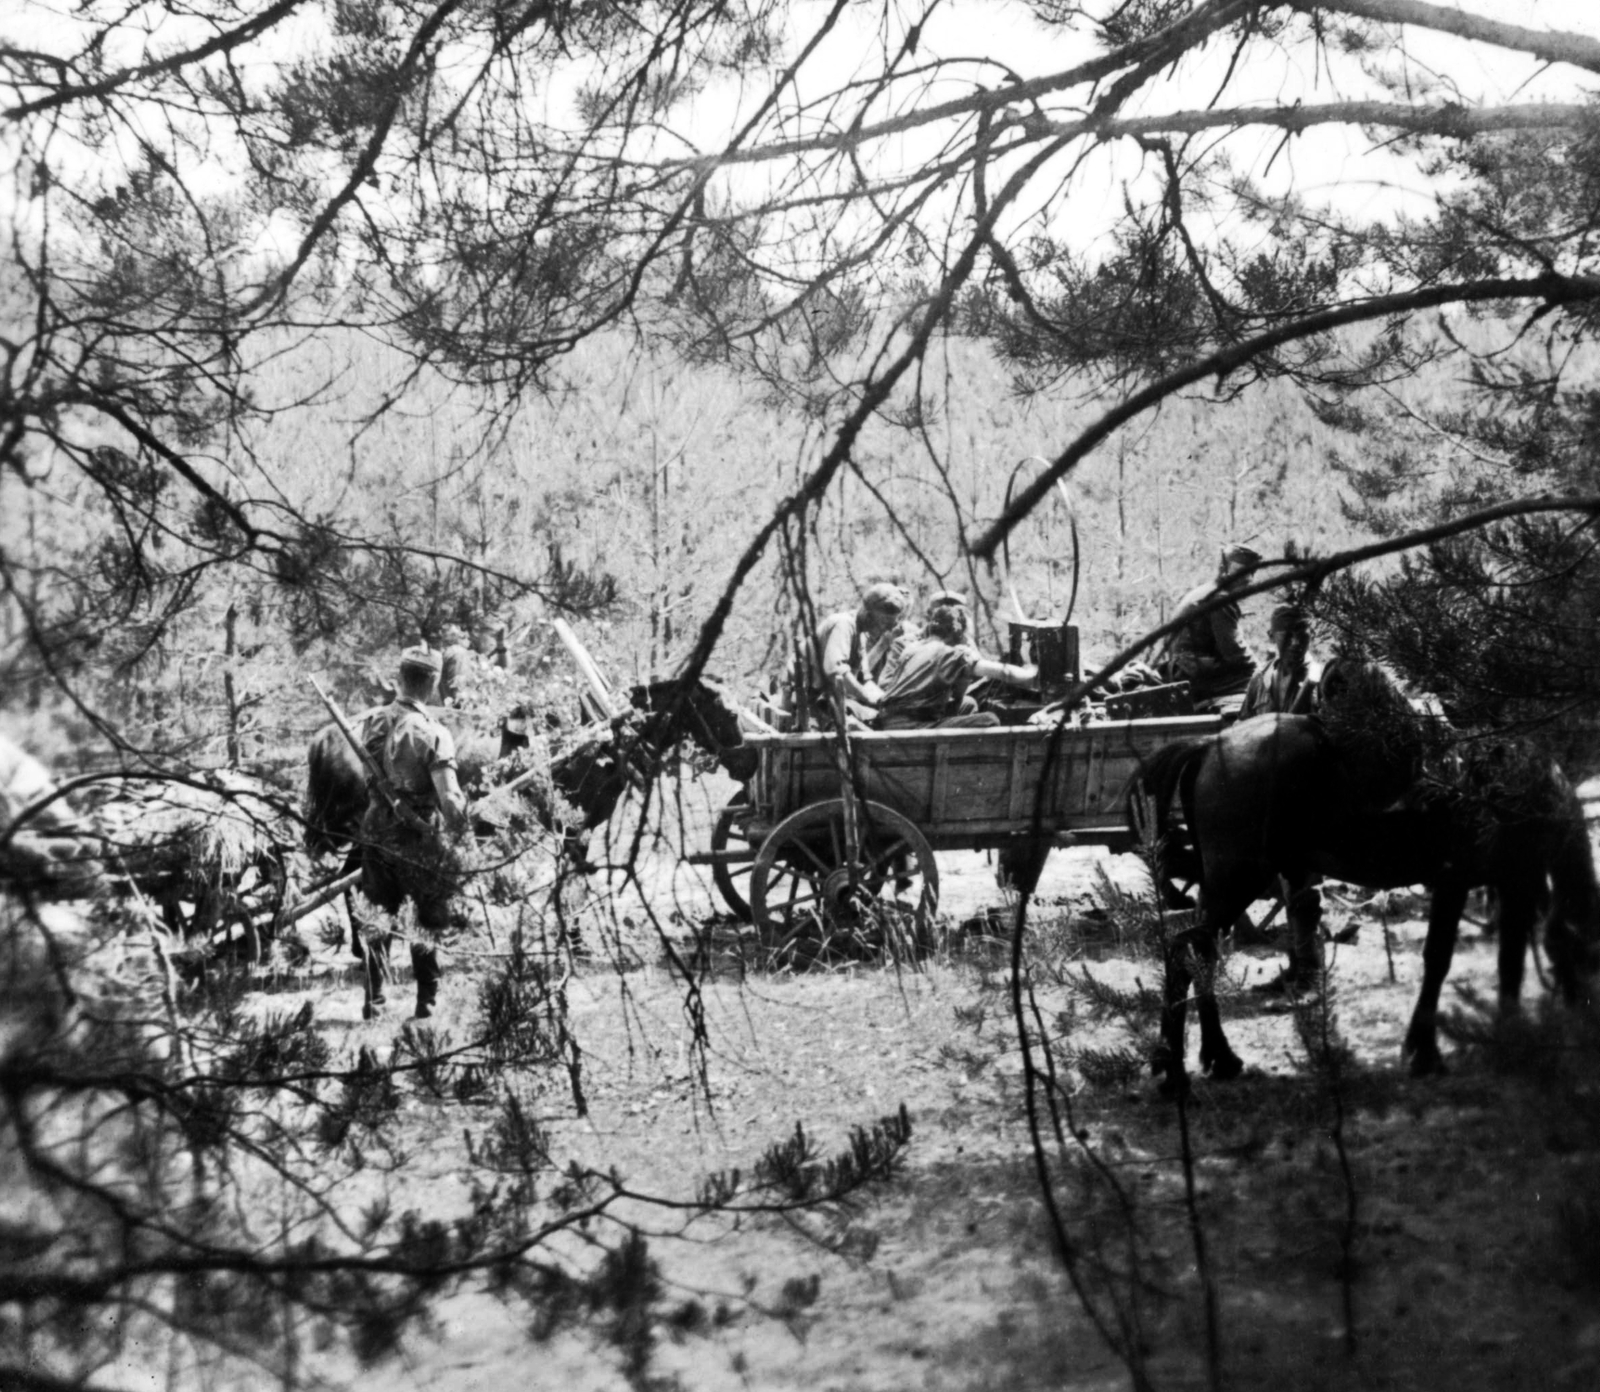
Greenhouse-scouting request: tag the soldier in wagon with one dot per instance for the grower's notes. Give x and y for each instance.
(1286, 685)
(849, 648)
(1206, 651)
(405, 853)
(928, 684)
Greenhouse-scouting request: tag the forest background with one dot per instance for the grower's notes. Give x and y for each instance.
(641, 475)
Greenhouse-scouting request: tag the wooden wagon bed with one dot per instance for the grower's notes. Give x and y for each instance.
(973, 789)
(833, 835)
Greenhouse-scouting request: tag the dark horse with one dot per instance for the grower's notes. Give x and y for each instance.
(1280, 796)
(592, 776)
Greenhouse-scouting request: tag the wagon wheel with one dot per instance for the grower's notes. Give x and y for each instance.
(808, 899)
(732, 880)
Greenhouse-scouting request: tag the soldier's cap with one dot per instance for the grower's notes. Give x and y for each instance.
(884, 598)
(1286, 617)
(421, 659)
(944, 597)
(1241, 557)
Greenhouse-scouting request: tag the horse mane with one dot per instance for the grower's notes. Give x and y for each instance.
(1386, 735)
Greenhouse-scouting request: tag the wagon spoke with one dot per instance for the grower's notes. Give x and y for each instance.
(823, 867)
(881, 858)
(798, 900)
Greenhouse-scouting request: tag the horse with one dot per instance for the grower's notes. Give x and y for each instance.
(1284, 796)
(592, 776)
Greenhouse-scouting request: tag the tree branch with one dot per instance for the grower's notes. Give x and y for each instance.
(1313, 573)
(171, 63)
(1553, 290)
(1549, 45)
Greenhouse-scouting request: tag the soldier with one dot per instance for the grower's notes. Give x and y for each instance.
(455, 663)
(490, 640)
(405, 853)
(1285, 686)
(928, 684)
(841, 647)
(1206, 651)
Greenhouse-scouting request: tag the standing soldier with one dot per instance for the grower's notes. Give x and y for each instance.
(1285, 686)
(456, 664)
(405, 853)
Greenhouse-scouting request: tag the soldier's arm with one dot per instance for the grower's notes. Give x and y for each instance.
(452, 801)
(836, 667)
(1255, 695)
(1023, 674)
(1225, 631)
(446, 789)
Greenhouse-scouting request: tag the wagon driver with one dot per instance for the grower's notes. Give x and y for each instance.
(406, 854)
(1205, 651)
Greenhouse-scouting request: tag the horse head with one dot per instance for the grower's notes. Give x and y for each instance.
(699, 711)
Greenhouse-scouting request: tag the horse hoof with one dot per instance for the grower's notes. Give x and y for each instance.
(1226, 1068)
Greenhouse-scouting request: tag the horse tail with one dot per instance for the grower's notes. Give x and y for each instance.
(1572, 927)
(1169, 772)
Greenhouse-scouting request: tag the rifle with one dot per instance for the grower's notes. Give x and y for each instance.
(375, 775)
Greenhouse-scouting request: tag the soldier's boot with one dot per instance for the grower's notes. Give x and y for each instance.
(425, 967)
(375, 963)
(1303, 974)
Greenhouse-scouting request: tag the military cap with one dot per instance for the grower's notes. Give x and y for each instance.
(420, 659)
(944, 597)
(1287, 616)
(1239, 556)
(884, 598)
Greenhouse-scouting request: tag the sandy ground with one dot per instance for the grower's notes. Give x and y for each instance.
(948, 1277)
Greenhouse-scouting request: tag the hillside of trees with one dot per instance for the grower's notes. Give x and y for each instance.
(622, 498)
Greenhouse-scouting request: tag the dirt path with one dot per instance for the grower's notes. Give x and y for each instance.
(947, 1278)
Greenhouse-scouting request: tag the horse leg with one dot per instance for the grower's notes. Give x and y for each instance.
(352, 862)
(1518, 907)
(1444, 918)
(1192, 959)
(1167, 1059)
(1303, 905)
(1216, 1055)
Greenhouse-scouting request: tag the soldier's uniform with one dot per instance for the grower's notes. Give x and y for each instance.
(456, 665)
(843, 648)
(405, 854)
(1287, 684)
(928, 685)
(1206, 651)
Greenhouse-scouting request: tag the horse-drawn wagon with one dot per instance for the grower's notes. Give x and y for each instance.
(837, 835)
